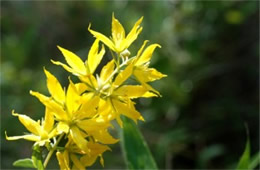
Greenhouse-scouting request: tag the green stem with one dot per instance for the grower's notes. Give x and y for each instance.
(52, 150)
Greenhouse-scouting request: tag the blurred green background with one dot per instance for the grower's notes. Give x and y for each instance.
(209, 52)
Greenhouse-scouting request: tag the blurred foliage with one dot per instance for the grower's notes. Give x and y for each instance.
(209, 51)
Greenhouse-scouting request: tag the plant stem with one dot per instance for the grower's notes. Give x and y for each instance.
(52, 150)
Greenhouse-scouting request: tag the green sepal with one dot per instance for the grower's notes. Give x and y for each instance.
(135, 150)
(26, 163)
(37, 158)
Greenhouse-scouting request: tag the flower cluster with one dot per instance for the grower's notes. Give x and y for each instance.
(82, 113)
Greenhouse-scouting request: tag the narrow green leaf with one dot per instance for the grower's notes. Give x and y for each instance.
(245, 158)
(135, 149)
(37, 158)
(255, 160)
(26, 163)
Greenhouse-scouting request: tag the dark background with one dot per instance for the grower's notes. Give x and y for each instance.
(210, 52)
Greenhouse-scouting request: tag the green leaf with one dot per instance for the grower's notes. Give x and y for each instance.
(255, 161)
(245, 158)
(135, 149)
(26, 163)
(37, 158)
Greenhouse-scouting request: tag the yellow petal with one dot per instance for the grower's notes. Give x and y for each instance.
(127, 110)
(150, 89)
(153, 74)
(104, 108)
(141, 49)
(124, 75)
(90, 80)
(118, 32)
(88, 107)
(77, 137)
(30, 137)
(74, 61)
(104, 137)
(98, 130)
(101, 160)
(90, 125)
(63, 160)
(147, 54)
(149, 94)
(76, 162)
(54, 87)
(48, 120)
(72, 99)
(133, 34)
(63, 127)
(67, 68)
(56, 109)
(147, 74)
(31, 125)
(131, 91)
(107, 70)
(81, 87)
(87, 160)
(102, 38)
(96, 148)
(94, 57)
(53, 133)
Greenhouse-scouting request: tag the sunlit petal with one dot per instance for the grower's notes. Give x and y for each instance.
(54, 87)
(48, 120)
(63, 160)
(29, 123)
(107, 70)
(102, 38)
(77, 137)
(124, 75)
(118, 32)
(76, 162)
(131, 91)
(30, 137)
(133, 34)
(74, 61)
(147, 54)
(94, 57)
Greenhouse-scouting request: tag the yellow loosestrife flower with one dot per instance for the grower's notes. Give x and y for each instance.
(75, 113)
(141, 63)
(77, 66)
(41, 132)
(119, 42)
(79, 159)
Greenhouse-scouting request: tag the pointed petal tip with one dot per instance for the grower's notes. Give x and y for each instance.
(141, 118)
(6, 135)
(14, 114)
(31, 92)
(89, 25)
(59, 47)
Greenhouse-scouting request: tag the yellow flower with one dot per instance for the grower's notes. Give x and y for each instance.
(80, 160)
(77, 66)
(119, 42)
(141, 69)
(41, 132)
(75, 113)
(117, 97)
